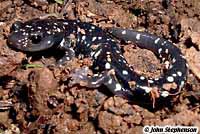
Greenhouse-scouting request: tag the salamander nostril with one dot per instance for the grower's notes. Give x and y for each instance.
(36, 38)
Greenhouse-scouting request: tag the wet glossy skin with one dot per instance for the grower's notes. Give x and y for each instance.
(79, 38)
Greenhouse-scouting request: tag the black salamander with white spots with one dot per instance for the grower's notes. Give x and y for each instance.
(110, 68)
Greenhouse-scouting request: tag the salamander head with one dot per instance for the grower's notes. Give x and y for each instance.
(34, 35)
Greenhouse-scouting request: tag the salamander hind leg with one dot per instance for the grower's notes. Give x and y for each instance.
(107, 78)
(81, 76)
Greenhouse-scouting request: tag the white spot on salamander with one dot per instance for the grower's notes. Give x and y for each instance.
(65, 23)
(83, 38)
(142, 77)
(58, 29)
(94, 82)
(49, 42)
(117, 51)
(159, 50)
(163, 43)
(62, 43)
(96, 75)
(55, 23)
(174, 75)
(48, 32)
(92, 53)
(67, 58)
(187, 65)
(138, 37)
(99, 38)
(110, 81)
(179, 73)
(124, 72)
(173, 60)
(118, 87)
(28, 26)
(150, 81)
(108, 52)
(109, 59)
(124, 32)
(107, 65)
(182, 84)
(97, 54)
(164, 93)
(92, 27)
(146, 89)
(156, 41)
(94, 38)
(170, 79)
(166, 51)
(167, 64)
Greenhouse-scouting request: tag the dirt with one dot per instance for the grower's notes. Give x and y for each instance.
(38, 98)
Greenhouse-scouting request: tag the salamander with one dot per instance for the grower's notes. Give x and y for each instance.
(110, 68)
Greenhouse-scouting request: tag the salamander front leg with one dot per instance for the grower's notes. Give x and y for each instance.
(66, 45)
(69, 54)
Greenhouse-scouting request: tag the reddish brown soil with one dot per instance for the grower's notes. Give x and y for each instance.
(39, 99)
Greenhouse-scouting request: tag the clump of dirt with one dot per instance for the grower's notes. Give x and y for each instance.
(36, 97)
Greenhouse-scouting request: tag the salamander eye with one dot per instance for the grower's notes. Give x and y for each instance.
(16, 26)
(36, 38)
